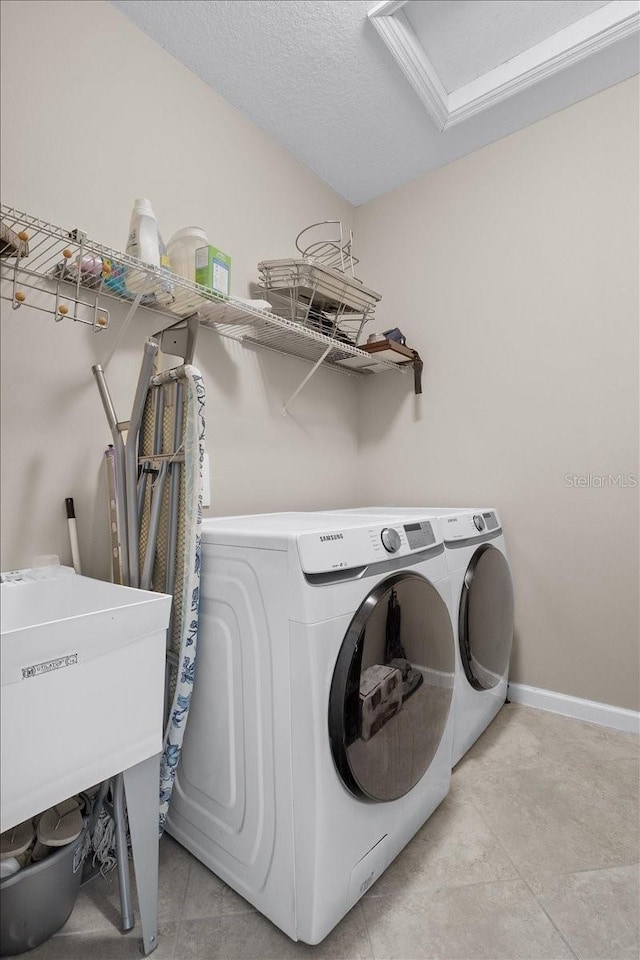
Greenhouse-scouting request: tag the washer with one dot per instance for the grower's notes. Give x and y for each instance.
(320, 733)
(482, 596)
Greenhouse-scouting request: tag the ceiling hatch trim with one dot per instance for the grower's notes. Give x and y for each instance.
(568, 46)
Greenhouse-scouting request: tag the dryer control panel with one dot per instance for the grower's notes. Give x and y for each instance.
(420, 535)
(467, 526)
(359, 546)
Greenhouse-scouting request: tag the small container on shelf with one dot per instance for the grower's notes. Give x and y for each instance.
(213, 269)
(182, 250)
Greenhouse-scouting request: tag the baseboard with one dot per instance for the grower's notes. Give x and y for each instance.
(438, 678)
(590, 710)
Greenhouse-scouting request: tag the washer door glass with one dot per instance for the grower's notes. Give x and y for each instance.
(392, 687)
(486, 618)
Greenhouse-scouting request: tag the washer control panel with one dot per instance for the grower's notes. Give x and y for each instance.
(341, 549)
(420, 535)
(467, 526)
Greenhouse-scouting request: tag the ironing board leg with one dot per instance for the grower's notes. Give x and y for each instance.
(141, 787)
(120, 818)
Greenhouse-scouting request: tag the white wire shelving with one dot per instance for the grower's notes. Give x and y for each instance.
(68, 275)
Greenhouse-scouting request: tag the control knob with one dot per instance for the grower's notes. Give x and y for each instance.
(479, 522)
(390, 540)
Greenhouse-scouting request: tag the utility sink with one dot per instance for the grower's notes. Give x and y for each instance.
(82, 670)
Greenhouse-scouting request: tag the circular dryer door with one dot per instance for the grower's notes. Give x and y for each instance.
(391, 689)
(486, 618)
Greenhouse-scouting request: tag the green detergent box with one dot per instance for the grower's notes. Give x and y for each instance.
(213, 269)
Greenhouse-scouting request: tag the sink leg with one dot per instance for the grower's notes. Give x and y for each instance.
(141, 783)
(122, 852)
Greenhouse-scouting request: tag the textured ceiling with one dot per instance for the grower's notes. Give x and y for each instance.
(315, 75)
(466, 38)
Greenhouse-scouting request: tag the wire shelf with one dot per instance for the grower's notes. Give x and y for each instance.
(67, 275)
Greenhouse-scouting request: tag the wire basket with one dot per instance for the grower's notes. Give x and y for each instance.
(318, 296)
(325, 244)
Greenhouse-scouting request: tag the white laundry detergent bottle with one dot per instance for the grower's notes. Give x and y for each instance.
(146, 244)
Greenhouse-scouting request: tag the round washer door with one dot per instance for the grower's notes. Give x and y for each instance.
(391, 689)
(486, 618)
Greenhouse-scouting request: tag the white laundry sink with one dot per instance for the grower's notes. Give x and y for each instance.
(82, 669)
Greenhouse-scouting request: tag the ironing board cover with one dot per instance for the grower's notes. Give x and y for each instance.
(186, 632)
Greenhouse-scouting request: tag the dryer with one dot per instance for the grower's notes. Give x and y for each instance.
(320, 733)
(483, 602)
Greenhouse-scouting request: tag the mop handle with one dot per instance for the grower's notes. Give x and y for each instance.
(73, 534)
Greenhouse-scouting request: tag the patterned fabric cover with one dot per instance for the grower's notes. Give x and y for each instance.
(194, 458)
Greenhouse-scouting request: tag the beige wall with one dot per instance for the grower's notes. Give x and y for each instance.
(94, 114)
(515, 272)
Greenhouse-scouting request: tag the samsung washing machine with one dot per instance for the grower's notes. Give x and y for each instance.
(320, 733)
(483, 602)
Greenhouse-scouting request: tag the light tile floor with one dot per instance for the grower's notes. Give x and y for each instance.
(534, 854)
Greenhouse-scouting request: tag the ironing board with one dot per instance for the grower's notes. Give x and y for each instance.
(172, 440)
(157, 509)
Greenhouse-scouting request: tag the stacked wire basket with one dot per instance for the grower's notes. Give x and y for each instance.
(319, 290)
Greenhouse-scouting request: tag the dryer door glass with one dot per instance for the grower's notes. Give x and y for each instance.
(486, 618)
(392, 687)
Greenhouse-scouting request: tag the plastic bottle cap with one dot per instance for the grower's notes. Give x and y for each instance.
(189, 233)
(143, 206)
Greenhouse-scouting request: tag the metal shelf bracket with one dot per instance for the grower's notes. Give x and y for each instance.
(316, 366)
(179, 340)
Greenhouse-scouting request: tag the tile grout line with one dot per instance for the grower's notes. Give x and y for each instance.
(519, 877)
(571, 873)
(366, 928)
(558, 873)
(446, 887)
(551, 920)
(186, 890)
(519, 872)
(497, 839)
(525, 881)
(179, 918)
(486, 883)
(451, 886)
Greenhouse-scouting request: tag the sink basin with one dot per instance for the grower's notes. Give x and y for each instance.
(82, 667)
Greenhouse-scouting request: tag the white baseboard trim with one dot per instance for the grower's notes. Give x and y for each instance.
(437, 678)
(590, 710)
